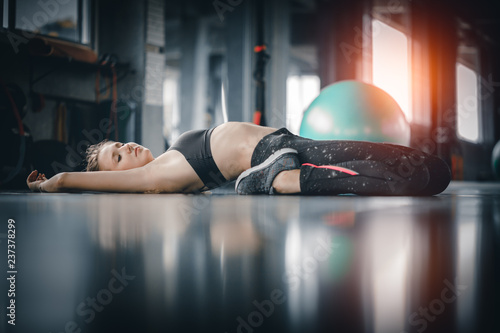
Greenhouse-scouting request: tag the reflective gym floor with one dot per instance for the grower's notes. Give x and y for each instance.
(220, 262)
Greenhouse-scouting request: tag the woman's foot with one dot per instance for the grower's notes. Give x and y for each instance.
(287, 182)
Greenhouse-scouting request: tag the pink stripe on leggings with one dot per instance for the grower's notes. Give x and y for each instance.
(332, 167)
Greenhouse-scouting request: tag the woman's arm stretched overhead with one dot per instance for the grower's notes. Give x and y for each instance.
(134, 180)
(169, 173)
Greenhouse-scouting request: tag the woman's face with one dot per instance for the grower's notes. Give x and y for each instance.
(123, 156)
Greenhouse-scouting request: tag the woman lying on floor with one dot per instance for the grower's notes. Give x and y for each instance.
(262, 159)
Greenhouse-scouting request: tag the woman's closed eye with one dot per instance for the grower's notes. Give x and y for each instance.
(119, 155)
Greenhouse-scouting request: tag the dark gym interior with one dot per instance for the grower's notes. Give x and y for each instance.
(75, 72)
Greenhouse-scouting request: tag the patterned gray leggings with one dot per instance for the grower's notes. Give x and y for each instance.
(365, 168)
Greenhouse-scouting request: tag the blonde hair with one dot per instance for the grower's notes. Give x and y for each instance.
(93, 154)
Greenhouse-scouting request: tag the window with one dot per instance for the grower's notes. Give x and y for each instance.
(171, 112)
(301, 90)
(64, 19)
(5, 14)
(391, 67)
(467, 103)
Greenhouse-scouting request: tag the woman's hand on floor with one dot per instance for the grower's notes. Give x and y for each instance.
(37, 182)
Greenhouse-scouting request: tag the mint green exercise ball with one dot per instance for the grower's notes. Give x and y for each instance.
(354, 110)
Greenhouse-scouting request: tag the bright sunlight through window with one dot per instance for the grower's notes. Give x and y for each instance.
(301, 90)
(467, 104)
(391, 71)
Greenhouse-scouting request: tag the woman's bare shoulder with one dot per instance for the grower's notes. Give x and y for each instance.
(173, 173)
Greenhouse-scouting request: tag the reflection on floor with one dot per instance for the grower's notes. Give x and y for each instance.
(227, 263)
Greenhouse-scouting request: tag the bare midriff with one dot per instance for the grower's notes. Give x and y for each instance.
(233, 144)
